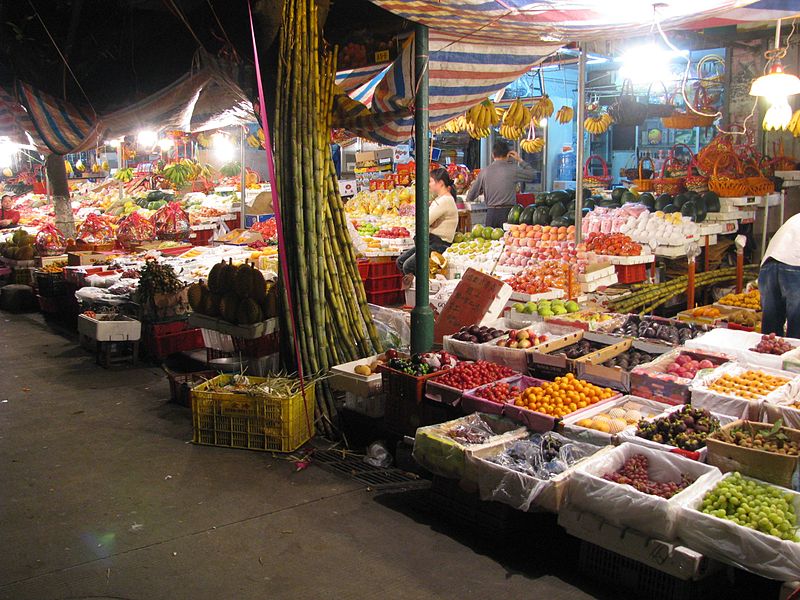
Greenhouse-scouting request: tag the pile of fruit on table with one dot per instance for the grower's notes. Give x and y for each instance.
(522, 339)
(749, 385)
(546, 308)
(686, 428)
(469, 375)
(750, 300)
(563, 396)
(544, 277)
(613, 244)
(772, 344)
(393, 232)
(617, 419)
(635, 472)
(480, 232)
(478, 334)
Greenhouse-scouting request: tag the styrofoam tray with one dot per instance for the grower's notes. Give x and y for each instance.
(553, 294)
(343, 377)
(593, 286)
(625, 260)
(594, 436)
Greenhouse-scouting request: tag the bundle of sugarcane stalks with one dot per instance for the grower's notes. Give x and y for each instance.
(649, 296)
(333, 323)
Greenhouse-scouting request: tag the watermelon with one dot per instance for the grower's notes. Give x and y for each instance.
(670, 208)
(557, 210)
(700, 210)
(648, 201)
(680, 200)
(629, 198)
(589, 203)
(541, 216)
(527, 215)
(560, 222)
(711, 201)
(514, 214)
(616, 194)
(662, 201)
(689, 209)
(557, 196)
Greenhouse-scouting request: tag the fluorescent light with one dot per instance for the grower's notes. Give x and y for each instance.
(224, 150)
(543, 122)
(113, 143)
(165, 144)
(776, 84)
(7, 152)
(778, 115)
(646, 64)
(147, 138)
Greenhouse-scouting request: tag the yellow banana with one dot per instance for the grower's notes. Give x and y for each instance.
(564, 115)
(260, 134)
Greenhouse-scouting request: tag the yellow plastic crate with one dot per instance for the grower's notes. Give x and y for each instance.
(237, 420)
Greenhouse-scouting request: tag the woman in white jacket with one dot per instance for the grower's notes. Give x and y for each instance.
(442, 220)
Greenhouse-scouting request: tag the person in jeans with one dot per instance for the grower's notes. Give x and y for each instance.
(779, 282)
(442, 222)
(498, 183)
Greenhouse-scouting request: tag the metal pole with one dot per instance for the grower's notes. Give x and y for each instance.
(580, 142)
(243, 186)
(545, 165)
(421, 315)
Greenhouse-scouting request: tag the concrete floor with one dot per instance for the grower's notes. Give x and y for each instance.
(102, 496)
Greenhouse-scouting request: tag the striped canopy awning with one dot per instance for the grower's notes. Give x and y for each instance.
(514, 22)
(461, 74)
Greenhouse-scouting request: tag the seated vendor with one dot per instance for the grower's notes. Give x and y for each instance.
(442, 224)
(8, 216)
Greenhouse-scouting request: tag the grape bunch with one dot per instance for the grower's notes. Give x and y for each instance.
(753, 504)
(772, 344)
(634, 472)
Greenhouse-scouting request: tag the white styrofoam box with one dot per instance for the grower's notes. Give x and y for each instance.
(498, 305)
(730, 216)
(518, 320)
(650, 407)
(371, 406)
(774, 199)
(739, 343)
(752, 550)
(671, 251)
(746, 200)
(623, 505)
(439, 292)
(597, 274)
(108, 328)
(522, 491)
(593, 286)
(741, 408)
(712, 239)
(552, 294)
(710, 228)
(344, 378)
(642, 259)
(629, 435)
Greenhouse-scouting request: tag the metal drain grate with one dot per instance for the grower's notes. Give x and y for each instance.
(353, 466)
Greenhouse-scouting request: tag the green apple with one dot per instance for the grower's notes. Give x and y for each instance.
(477, 231)
(530, 307)
(497, 233)
(559, 310)
(572, 306)
(519, 307)
(546, 313)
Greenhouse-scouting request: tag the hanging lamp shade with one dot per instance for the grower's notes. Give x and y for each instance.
(776, 83)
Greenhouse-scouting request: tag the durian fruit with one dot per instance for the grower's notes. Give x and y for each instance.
(249, 312)
(269, 305)
(228, 307)
(258, 285)
(215, 277)
(196, 294)
(210, 305)
(226, 277)
(243, 281)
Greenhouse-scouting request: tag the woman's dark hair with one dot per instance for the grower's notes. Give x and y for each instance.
(442, 176)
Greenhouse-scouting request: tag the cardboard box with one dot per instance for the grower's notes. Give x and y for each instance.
(648, 381)
(85, 257)
(43, 261)
(771, 467)
(591, 369)
(550, 363)
(373, 158)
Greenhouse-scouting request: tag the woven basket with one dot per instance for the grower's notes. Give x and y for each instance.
(731, 185)
(681, 120)
(596, 181)
(645, 182)
(695, 181)
(757, 184)
(667, 185)
(707, 156)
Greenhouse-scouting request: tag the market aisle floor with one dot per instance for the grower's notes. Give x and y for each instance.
(103, 497)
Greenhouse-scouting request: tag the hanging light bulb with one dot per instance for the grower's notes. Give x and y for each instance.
(778, 115)
(776, 86)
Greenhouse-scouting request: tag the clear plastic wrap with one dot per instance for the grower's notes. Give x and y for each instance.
(528, 474)
(394, 326)
(50, 241)
(442, 449)
(135, 229)
(724, 540)
(96, 229)
(624, 506)
(172, 222)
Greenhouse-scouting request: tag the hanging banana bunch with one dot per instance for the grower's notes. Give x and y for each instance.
(565, 115)
(598, 124)
(260, 134)
(477, 133)
(253, 141)
(203, 140)
(514, 120)
(483, 116)
(532, 144)
(104, 166)
(794, 124)
(68, 167)
(543, 109)
(124, 175)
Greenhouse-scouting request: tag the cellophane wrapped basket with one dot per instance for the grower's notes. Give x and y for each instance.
(596, 181)
(134, 230)
(50, 241)
(172, 223)
(97, 230)
(695, 181)
(644, 181)
(665, 184)
(726, 179)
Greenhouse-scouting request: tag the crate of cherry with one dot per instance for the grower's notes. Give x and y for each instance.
(450, 386)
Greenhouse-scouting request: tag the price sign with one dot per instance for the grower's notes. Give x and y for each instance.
(468, 304)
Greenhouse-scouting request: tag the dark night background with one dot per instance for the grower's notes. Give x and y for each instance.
(123, 50)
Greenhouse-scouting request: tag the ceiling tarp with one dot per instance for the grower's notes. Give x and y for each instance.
(352, 79)
(461, 74)
(759, 11)
(206, 98)
(514, 22)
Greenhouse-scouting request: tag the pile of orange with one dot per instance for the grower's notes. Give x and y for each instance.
(751, 300)
(563, 396)
(709, 312)
(750, 385)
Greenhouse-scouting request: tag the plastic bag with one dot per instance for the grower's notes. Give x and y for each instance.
(172, 222)
(50, 241)
(378, 455)
(135, 229)
(96, 229)
(103, 281)
(722, 539)
(394, 326)
(623, 505)
(525, 475)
